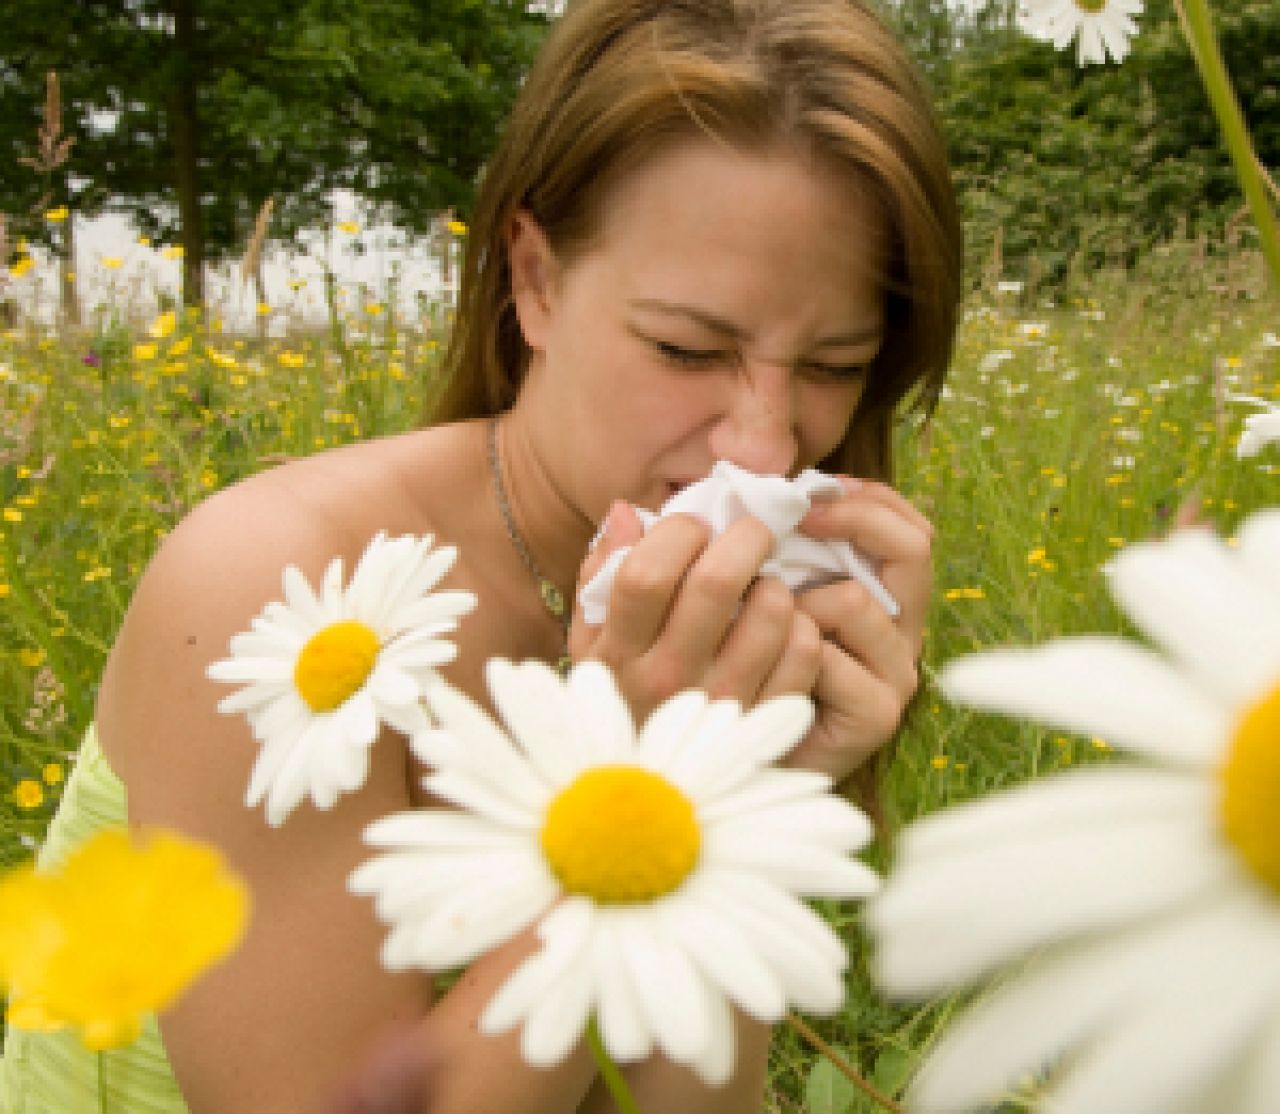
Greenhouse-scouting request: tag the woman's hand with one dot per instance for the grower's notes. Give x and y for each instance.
(689, 611)
(868, 670)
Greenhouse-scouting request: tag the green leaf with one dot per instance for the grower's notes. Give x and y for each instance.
(893, 1068)
(828, 1091)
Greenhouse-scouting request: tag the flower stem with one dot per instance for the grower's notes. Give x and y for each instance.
(1197, 25)
(841, 1064)
(613, 1078)
(102, 1084)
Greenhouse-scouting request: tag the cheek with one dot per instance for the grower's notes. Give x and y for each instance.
(825, 414)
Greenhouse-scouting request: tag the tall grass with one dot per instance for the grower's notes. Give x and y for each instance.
(1067, 431)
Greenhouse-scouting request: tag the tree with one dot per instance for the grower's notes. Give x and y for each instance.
(192, 112)
(1079, 167)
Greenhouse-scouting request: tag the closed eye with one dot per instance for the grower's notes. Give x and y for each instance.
(690, 357)
(844, 372)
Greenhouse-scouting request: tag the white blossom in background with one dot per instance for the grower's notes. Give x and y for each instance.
(1098, 27)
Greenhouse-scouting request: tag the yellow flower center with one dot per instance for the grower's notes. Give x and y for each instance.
(1092, 6)
(620, 834)
(1251, 789)
(334, 664)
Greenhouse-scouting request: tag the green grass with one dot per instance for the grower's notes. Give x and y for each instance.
(1055, 446)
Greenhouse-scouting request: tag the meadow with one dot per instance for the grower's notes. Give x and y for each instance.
(1074, 422)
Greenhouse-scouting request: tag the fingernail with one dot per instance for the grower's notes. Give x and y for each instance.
(612, 519)
(609, 523)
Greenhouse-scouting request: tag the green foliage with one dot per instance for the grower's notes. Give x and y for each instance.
(1063, 170)
(189, 118)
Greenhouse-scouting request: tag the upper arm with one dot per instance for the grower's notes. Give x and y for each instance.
(275, 1025)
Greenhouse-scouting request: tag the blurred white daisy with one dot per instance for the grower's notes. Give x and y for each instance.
(324, 671)
(664, 864)
(1099, 27)
(1146, 895)
(1260, 429)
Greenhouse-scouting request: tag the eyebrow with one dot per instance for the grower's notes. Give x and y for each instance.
(729, 329)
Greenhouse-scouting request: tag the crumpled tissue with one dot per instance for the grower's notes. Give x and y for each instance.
(728, 494)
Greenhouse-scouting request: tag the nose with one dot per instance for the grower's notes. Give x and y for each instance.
(757, 430)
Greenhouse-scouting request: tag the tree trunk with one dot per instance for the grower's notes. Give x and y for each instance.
(186, 148)
(67, 271)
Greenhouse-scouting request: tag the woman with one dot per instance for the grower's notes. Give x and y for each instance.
(715, 229)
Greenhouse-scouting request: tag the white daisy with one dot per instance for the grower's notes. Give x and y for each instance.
(1100, 27)
(324, 672)
(664, 864)
(1146, 895)
(1260, 429)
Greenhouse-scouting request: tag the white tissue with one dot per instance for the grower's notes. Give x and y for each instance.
(728, 494)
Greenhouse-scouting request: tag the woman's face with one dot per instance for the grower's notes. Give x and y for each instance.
(727, 309)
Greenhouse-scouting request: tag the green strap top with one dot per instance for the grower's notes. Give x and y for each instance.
(53, 1073)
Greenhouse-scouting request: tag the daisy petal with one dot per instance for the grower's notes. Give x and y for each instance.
(1099, 686)
(623, 1028)
(599, 713)
(1018, 896)
(1190, 594)
(1182, 1039)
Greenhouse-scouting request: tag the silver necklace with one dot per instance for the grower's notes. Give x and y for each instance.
(552, 598)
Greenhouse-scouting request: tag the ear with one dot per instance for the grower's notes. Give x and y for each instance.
(535, 273)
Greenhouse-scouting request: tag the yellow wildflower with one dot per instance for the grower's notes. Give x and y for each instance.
(163, 325)
(52, 773)
(118, 932)
(173, 251)
(28, 793)
(31, 658)
(457, 228)
(350, 227)
(58, 215)
(20, 266)
(144, 351)
(112, 262)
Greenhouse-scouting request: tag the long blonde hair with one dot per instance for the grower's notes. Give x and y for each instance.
(617, 81)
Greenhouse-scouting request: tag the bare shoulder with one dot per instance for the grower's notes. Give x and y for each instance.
(187, 766)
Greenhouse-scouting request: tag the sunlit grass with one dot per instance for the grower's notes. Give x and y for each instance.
(1067, 432)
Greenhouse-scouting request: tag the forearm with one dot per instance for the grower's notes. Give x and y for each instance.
(469, 1071)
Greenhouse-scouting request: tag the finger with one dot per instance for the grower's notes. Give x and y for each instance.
(876, 528)
(645, 586)
(848, 615)
(797, 669)
(755, 643)
(883, 493)
(857, 714)
(622, 527)
(900, 552)
(713, 596)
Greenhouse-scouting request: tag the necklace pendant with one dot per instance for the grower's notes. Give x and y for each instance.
(563, 664)
(552, 598)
